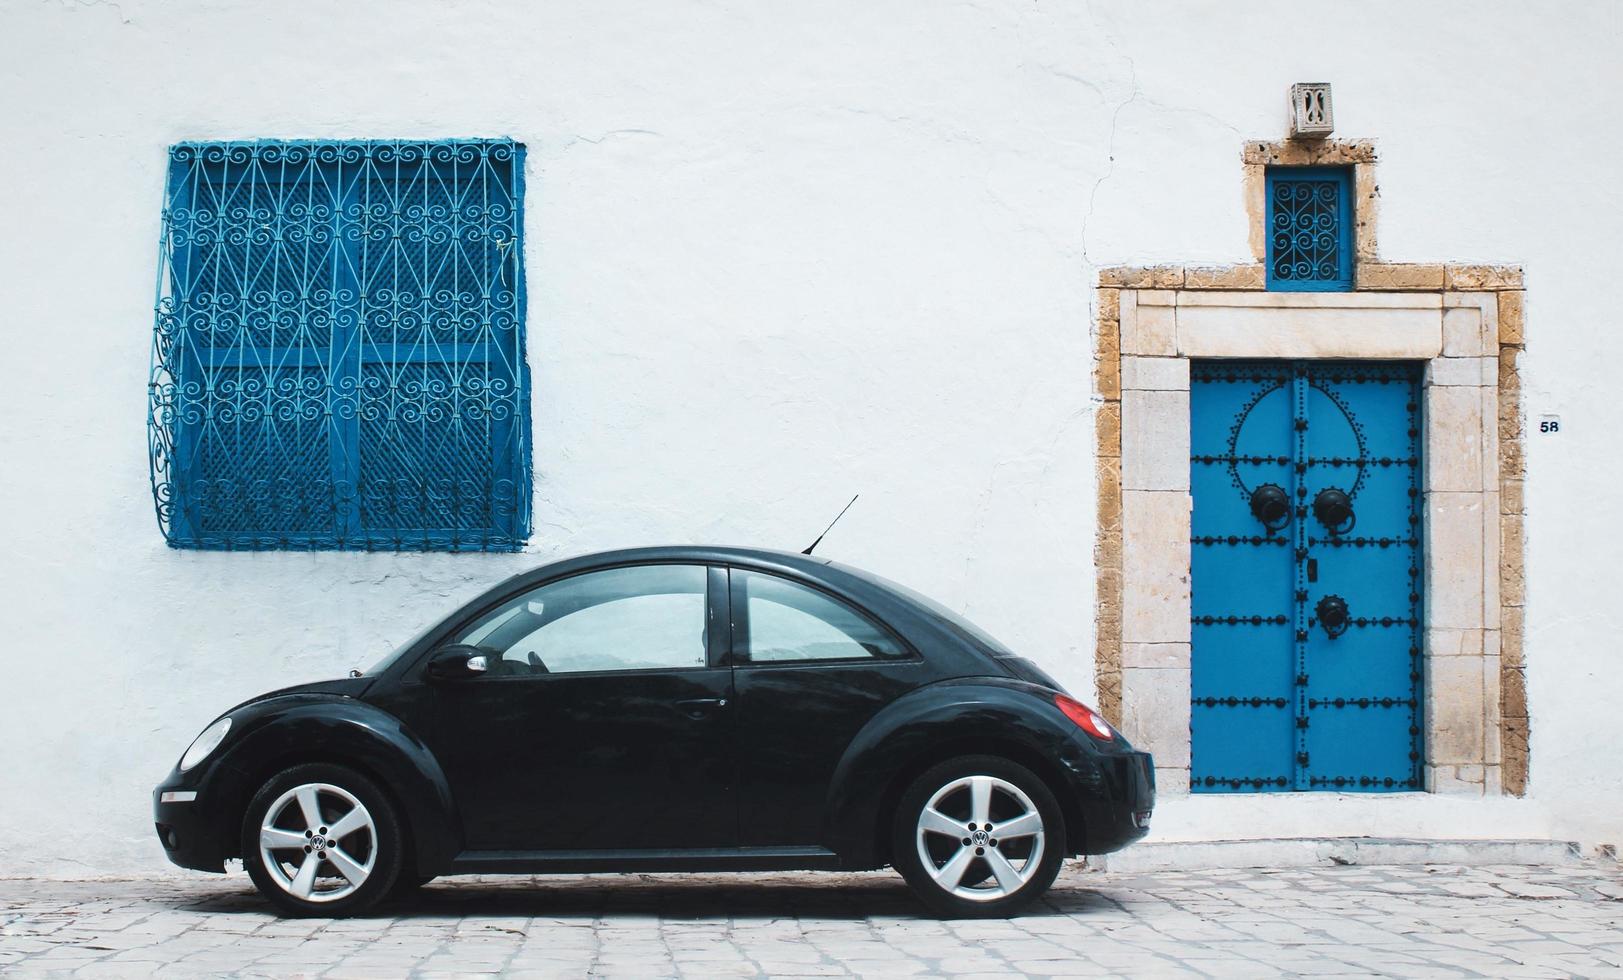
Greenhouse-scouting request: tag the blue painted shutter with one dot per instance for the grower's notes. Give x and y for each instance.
(1310, 229)
(339, 352)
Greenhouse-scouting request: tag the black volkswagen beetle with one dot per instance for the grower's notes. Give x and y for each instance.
(666, 709)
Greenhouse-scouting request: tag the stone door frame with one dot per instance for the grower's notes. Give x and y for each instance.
(1466, 324)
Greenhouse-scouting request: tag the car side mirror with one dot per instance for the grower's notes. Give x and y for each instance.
(457, 662)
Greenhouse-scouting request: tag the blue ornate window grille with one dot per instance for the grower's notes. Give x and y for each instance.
(338, 359)
(1310, 227)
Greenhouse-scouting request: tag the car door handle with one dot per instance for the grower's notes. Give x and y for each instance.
(699, 707)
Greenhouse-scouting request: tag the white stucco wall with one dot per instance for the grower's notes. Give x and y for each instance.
(777, 254)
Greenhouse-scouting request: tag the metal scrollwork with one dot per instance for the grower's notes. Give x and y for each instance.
(1306, 226)
(338, 351)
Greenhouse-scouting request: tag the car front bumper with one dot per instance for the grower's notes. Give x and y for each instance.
(187, 818)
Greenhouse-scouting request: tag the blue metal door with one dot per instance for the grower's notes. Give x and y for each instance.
(1306, 563)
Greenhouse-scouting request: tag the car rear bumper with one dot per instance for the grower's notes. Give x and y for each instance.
(1116, 795)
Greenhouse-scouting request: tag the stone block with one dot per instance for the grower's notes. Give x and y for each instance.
(1108, 469)
(1454, 710)
(1108, 340)
(1297, 153)
(1142, 277)
(1254, 189)
(1109, 304)
(1107, 377)
(1510, 635)
(1157, 297)
(1444, 642)
(1155, 373)
(1456, 372)
(1155, 712)
(1510, 497)
(1462, 332)
(1491, 277)
(1108, 685)
(1491, 668)
(1155, 440)
(1513, 756)
(1366, 212)
(1107, 427)
(1398, 275)
(1512, 464)
(1512, 692)
(1453, 438)
(1225, 277)
(1214, 323)
(1509, 375)
(1155, 655)
(1488, 441)
(1151, 330)
(1453, 560)
(1491, 568)
(1512, 313)
(1512, 577)
(1155, 566)
(1454, 780)
(1107, 556)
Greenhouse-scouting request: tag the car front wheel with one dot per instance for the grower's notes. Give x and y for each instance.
(321, 840)
(977, 837)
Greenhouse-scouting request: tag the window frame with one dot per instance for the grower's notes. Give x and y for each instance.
(717, 628)
(738, 606)
(1346, 231)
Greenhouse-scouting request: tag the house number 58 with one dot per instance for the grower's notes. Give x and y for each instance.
(1549, 424)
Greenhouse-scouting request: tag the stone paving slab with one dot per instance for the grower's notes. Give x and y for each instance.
(1427, 921)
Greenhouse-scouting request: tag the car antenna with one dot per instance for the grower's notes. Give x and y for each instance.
(831, 524)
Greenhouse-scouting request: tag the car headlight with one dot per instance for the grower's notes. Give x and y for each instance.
(205, 743)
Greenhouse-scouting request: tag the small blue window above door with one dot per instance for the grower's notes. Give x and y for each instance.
(1310, 229)
(338, 358)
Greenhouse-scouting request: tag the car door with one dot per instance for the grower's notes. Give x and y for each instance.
(602, 721)
(810, 670)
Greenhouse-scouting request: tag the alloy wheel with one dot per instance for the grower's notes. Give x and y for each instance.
(980, 838)
(318, 842)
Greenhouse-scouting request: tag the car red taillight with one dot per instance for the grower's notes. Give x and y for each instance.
(1085, 717)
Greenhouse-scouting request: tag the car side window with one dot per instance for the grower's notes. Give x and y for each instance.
(789, 622)
(642, 617)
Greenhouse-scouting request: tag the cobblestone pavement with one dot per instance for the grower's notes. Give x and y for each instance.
(1408, 922)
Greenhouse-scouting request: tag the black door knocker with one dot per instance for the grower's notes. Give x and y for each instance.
(1332, 613)
(1271, 506)
(1334, 510)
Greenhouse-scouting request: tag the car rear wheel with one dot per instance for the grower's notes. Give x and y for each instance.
(978, 837)
(321, 840)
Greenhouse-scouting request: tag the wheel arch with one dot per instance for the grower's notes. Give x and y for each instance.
(929, 726)
(355, 736)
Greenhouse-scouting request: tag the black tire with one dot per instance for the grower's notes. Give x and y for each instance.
(377, 844)
(999, 900)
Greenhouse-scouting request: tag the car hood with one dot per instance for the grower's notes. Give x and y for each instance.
(343, 687)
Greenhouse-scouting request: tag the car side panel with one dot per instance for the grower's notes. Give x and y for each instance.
(794, 724)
